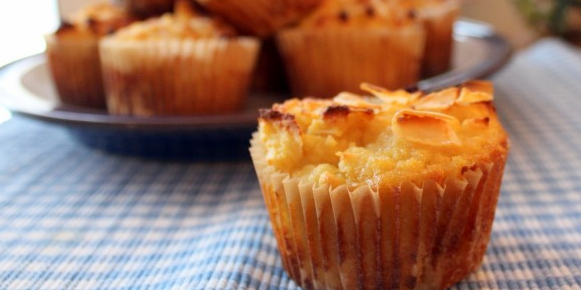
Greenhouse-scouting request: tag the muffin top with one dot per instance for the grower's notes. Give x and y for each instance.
(184, 23)
(146, 8)
(384, 140)
(98, 19)
(423, 3)
(358, 13)
(427, 8)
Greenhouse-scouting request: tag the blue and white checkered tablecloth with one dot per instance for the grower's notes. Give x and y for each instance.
(75, 218)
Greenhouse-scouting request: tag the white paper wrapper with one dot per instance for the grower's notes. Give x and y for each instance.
(328, 61)
(180, 77)
(76, 70)
(407, 237)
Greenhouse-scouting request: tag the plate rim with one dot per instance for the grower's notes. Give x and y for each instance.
(499, 54)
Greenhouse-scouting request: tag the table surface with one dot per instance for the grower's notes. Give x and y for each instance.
(76, 218)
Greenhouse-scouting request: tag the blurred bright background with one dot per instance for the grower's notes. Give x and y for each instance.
(22, 26)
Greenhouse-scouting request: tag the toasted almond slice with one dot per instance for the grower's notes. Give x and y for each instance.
(387, 96)
(476, 122)
(438, 101)
(480, 86)
(476, 92)
(353, 100)
(322, 128)
(426, 127)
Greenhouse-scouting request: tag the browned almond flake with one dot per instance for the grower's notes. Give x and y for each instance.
(476, 92)
(427, 128)
(438, 101)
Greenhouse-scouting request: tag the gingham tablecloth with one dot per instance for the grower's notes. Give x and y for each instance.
(76, 218)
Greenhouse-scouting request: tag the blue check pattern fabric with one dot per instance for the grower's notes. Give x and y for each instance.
(76, 218)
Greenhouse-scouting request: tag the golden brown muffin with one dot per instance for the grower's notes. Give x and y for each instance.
(260, 17)
(180, 64)
(345, 42)
(143, 9)
(73, 53)
(438, 17)
(393, 192)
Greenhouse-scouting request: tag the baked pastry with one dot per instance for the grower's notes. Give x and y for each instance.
(393, 192)
(438, 17)
(260, 17)
(180, 64)
(345, 42)
(73, 53)
(143, 9)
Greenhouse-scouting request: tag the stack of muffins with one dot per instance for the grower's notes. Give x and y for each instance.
(192, 57)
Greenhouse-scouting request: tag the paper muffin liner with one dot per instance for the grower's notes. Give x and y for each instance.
(439, 25)
(76, 70)
(408, 237)
(178, 77)
(344, 58)
(260, 17)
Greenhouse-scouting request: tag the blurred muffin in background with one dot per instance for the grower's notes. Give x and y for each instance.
(179, 64)
(73, 53)
(143, 9)
(346, 42)
(438, 17)
(260, 17)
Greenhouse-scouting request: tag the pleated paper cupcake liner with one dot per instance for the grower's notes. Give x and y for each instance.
(76, 70)
(180, 77)
(439, 26)
(326, 62)
(260, 17)
(407, 237)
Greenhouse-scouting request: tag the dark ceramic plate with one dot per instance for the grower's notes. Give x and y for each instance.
(26, 88)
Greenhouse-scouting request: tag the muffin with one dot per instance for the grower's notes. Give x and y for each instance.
(345, 42)
(73, 54)
(260, 17)
(143, 9)
(438, 17)
(179, 64)
(393, 192)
